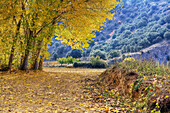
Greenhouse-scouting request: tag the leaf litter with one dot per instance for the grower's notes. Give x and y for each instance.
(46, 91)
(70, 90)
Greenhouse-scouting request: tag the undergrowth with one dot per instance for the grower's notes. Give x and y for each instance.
(144, 67)
(152, 88)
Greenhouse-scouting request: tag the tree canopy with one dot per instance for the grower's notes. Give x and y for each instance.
(27, 26)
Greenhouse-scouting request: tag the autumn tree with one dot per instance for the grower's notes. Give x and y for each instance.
(35, 22)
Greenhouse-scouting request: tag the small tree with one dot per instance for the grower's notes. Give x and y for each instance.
(61, 60)
(113, 53)
(167, 35)
(75, 53)
(97, 62)
(70, 60)
(55, 55)
(99, 53)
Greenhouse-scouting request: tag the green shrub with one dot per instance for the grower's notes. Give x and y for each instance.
(161, 31)
(156, 17)
(154, 7)
(142, 23)
(121, 16)
(69, 60)
(99, 53)
(82, 64)
(123, 56)
(144, 42)
(131, 27)
(107, 36)
(55, 55)
(60, 49)
(168, 26)
(97, 33)
(87, 51)
(121, 29)
(124, 11)
(57, 44)
(155, 27)
(151, 12)
(158, 39)
(167, 19)
(152, 36)
(113, 53)
(62, 60)
(102, 38)
(114, 36)
(126, 33)
(84, 54)
(95, 47)
(161, 21)
(167, 35)
(97, 62)
(75, 53)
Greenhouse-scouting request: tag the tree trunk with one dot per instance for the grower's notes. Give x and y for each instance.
(33, 52)
(14, 42)
(11, 57)
(21, 62)
(37, 55)
(40, 67)
(25, 61)
(27, 51)
(42, 58)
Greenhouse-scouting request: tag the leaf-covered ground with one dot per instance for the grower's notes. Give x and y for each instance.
(79, 90)
(53, 90)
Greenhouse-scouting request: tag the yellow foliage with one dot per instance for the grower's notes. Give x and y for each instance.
(26, 23)
(129, 59)
(79, 18)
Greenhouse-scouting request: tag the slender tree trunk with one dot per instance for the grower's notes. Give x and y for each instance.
(14, 42)
(21, 53)
(27, 51)
(42, 58)
(11, 57)
(25, 61)
(33, 52)
(37, 55)
(22, 58)
(40, 67)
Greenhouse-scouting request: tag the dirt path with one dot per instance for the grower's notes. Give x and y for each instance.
(54, 91)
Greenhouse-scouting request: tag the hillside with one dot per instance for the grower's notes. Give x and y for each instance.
(160, 52)
(136, 26)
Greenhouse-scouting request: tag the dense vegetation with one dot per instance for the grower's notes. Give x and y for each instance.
(139, 24)
(69, 60)
(26, 28)
(95, 62)
(134, 86)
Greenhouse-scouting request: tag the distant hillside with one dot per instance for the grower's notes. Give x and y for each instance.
(159, 52)
(138, 25)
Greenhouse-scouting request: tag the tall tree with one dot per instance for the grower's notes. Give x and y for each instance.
(72, 21)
